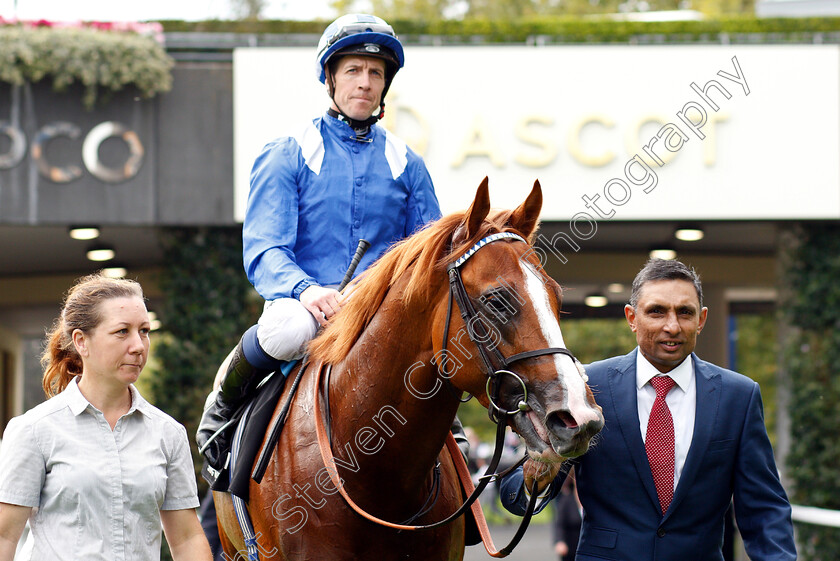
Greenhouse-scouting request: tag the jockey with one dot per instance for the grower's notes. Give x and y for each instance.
(313, 196)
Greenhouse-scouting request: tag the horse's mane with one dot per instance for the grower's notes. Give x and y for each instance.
(424, 256)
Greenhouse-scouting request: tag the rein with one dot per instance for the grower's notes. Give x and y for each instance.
(489, 356)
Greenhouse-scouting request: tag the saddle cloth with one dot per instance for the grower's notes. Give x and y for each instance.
(257, 424)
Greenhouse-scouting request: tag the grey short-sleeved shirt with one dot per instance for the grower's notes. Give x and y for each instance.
(98, 493)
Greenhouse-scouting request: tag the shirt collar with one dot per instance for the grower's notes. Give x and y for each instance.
(78, 403)
(682, 374)
(75, 400)
(138, 403)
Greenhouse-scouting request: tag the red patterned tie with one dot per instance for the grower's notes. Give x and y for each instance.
(659, 442)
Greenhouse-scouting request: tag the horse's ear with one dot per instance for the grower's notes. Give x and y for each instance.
(475, 215)
(525, 217)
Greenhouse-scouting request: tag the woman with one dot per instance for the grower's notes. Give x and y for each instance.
(103, 467)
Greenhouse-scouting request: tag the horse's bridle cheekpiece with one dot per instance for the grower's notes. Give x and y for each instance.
(458, 292)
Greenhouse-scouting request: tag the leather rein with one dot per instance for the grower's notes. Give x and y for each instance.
(490, 355)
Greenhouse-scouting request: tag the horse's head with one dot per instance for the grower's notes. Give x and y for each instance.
(512, 316)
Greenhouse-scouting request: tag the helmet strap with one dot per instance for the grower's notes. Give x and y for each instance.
(360, 127)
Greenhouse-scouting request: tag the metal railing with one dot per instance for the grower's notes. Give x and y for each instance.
(814, 515)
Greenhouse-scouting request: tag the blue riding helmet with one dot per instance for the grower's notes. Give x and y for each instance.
(361, 34)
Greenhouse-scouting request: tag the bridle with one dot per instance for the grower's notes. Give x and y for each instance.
(490, 355)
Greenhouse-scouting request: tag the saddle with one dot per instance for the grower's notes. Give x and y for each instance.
(262, 405)
(251, 450)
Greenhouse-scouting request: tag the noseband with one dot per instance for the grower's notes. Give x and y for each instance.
(490, 355)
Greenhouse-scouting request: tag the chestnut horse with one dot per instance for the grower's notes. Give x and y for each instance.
(394, 390)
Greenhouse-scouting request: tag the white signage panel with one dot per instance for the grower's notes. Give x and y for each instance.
(611, 132)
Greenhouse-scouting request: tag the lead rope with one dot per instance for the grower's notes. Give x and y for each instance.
(483, 529)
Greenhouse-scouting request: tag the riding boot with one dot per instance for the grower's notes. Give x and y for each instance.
(461, 438)
(237, 383)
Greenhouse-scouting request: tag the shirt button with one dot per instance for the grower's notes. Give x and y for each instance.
(359, 181)
(661, 532)
(355, 149)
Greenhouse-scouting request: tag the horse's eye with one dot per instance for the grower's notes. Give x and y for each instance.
(499, 305)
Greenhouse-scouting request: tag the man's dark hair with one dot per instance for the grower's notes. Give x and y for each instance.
(665, 269)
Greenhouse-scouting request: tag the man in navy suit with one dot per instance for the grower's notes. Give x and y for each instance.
(714, 449)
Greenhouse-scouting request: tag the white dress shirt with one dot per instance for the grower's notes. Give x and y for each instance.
(97, 493)
(681, 401)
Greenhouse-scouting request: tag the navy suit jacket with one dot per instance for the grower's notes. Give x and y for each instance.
(730, 458)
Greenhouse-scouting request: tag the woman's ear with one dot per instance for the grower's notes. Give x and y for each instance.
(80, 342)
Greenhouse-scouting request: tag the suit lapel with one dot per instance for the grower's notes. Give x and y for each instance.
(622, 382)
(705, 419)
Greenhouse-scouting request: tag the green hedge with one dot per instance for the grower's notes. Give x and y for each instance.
(812, 359)
(207, 305)
(103, 62)
(561, 29)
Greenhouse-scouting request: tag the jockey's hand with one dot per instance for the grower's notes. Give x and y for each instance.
(541, 472)
(323, 303)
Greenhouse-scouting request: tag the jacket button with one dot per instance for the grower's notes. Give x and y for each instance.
(661, 532)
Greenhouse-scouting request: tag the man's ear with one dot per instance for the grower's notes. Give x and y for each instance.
(703, 315)
(630, 314)
(328, 80)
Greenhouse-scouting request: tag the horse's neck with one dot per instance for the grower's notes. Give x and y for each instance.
(378, 396)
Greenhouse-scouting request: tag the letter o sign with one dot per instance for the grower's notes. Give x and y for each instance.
(17, 150)
(90, 152)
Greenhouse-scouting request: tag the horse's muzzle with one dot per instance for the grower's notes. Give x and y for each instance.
(571, 441)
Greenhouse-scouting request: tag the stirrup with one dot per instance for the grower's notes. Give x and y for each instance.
(213, 436)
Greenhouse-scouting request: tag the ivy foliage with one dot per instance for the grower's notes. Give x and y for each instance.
(102, 62)
(757, 355)
(556, 28)
(207, 305)
(812, 358)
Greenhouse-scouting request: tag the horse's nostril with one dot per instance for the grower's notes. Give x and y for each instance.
(561, 419)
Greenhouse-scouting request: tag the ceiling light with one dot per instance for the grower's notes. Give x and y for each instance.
(663, 253)
(691, 234)
(114, 272)
(100, 253)
(596, 300)
(154, 322)
(84, 232)
(615, 288)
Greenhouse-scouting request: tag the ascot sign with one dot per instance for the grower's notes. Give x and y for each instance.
(16, 143)
(574, 116)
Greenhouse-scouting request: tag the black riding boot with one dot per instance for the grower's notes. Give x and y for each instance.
(461, 439)
(238, 382)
